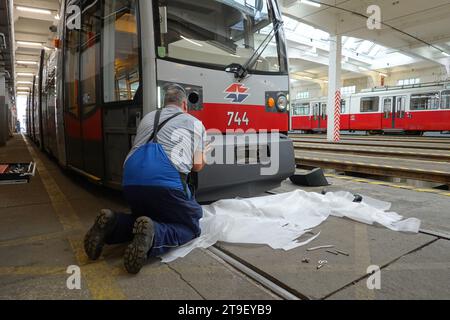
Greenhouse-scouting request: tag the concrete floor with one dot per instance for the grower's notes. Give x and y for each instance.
(42, 225)
(41, 229)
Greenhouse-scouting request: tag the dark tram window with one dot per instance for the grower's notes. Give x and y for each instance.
(90, 48)
(370, 104)
(71, 72)
(120, 50)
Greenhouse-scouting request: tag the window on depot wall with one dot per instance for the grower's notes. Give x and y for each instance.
(348, 90)
(303, 95)
(407, 82)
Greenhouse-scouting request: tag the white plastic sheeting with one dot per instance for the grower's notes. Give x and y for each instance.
(279, 220)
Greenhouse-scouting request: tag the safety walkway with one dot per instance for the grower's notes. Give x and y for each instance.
(42, 225)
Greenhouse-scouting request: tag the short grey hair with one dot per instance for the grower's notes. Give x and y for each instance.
(174, 94)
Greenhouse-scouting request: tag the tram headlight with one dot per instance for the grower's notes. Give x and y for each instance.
(282, 102)
(271, 102)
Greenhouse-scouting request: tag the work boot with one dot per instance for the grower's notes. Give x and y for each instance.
(95, 237)
(136, 252)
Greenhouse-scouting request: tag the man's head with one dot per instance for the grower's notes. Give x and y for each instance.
(175, 95)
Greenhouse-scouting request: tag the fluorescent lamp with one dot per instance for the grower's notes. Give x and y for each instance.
(192, 41)
(33, 10)
(363, 69)
(306, 78)
(25, 74)
(311, 3)
(234, 55)
(445, 54)
(57, 17)
(23, 88)
(28, 43)
(26, 62)
(159, 97)
(383, 74)
(24, 82)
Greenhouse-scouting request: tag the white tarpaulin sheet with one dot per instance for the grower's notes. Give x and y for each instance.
(279, 220)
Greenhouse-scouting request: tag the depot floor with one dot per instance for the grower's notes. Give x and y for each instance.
(42, 224)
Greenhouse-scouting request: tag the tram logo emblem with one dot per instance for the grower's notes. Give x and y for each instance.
(237, 93)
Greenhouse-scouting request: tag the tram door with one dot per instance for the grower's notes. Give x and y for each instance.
(394, 112)
(83, 123)
(122, 93)
(388, 121)
(323, 116)
(316, 116)
(399, 112)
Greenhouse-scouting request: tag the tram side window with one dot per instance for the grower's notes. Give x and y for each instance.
(370, 104)
(425, 101)
(343, 106)
(301, 109)
(71, 72)
(121, 75)
(445, 100)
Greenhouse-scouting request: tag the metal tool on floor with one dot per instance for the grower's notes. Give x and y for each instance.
(16, 173)
(320, 247)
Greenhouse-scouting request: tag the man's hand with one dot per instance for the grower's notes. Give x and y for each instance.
(200, 158)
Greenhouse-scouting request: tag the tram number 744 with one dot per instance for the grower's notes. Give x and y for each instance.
(236, 118)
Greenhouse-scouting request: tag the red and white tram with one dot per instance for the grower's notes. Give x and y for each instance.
(414, 109)
(112, 58)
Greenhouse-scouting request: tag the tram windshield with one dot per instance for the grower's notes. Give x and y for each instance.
(219, 33)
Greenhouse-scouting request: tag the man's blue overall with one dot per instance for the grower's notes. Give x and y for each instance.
(154, 188)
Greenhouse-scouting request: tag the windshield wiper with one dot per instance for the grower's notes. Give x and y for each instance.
(241, 71)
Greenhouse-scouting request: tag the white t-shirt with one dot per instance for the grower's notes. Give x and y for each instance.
(180, 137)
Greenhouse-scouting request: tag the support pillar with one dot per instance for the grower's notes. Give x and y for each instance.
(334, 89)
(3, 111)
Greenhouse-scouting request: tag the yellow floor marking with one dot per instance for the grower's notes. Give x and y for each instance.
(33, 239)
(362, 259)
(387, 151)
(98, 275)
(388, 184)
(428, 190)
(38, 271)
(373, 157)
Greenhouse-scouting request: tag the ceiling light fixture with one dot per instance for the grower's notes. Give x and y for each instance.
(26, 62)
(24, 82)
(29, 43)
(33, 10)
(311, 3)
(445, 54)
(192, 41)
(25, 74)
